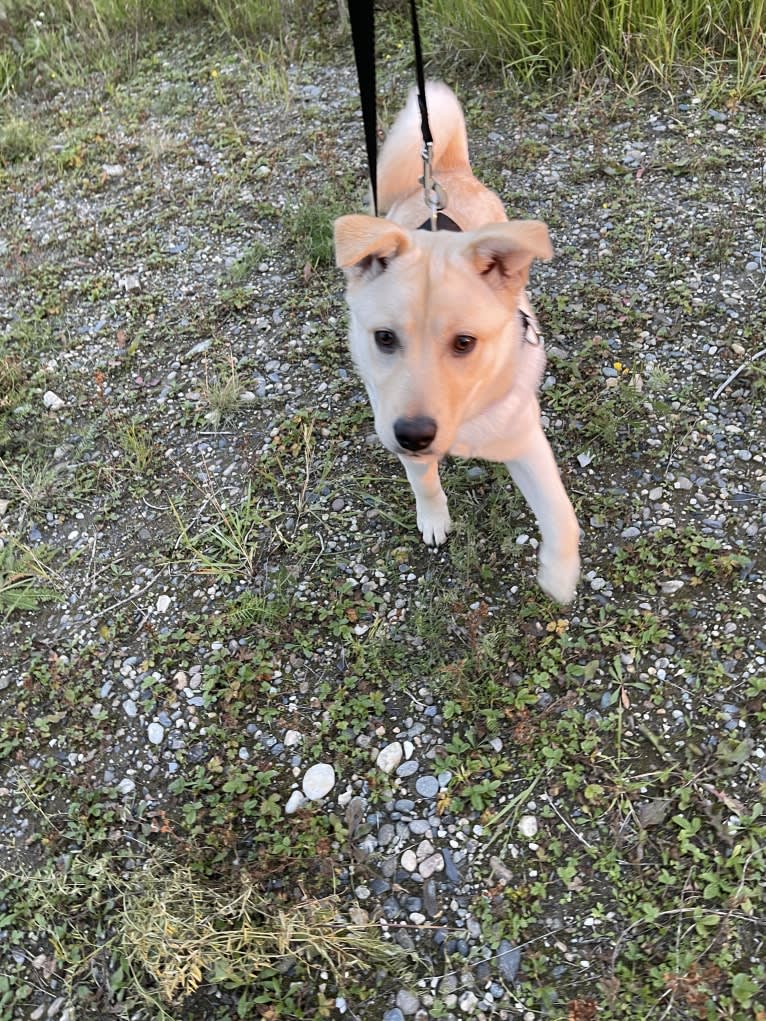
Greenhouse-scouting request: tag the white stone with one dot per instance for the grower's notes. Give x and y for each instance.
(670, 587)
(126, 786)
(130, 283)
(52, 401)
(528, 826)
(434, 863)
(292, 738)
(409, 860)
(584, 460)
(390, 757)
(163, 602)
(294, 802)
(424, 849)
(318, 781)
(358, 915)
(467, 1002)
(156, 733)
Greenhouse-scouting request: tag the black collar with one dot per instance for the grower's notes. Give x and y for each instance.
(443, 222)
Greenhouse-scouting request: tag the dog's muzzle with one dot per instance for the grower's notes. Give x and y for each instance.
(415, 434)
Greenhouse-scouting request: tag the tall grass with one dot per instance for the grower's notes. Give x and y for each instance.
(627, 40)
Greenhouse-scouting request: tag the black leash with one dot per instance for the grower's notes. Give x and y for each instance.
(362, 17)
(425, 128)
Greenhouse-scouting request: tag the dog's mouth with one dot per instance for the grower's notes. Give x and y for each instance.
(417, 455)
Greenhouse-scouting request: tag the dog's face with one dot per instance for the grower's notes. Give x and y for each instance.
(433, 321)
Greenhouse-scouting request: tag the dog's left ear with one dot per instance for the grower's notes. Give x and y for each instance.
(366, 244)
(503, 252)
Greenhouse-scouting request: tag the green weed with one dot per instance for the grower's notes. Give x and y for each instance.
(26, 581)
(138, 445)
(18, 140)
(309, 226)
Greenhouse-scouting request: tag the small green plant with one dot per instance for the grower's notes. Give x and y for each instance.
(241, 270)
(138, 445)
(34, 482)
(221, 392)
(18, 140)
(231, 544)
(310, 226)
(25, 579)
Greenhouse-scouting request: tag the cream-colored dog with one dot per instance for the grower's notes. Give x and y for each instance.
(443, 335)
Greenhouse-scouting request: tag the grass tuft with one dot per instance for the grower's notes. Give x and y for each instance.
(25, 581)
(310, 226)
(18, 141)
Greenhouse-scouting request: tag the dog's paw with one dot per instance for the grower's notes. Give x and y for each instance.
(434, 523)
(558, 577)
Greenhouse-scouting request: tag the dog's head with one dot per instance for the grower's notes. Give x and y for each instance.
(433, 321)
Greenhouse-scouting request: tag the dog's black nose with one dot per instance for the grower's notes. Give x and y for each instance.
(414, 433)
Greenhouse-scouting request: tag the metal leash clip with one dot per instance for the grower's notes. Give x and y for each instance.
(434, 195)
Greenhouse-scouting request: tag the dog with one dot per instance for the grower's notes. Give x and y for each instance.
(443, 336)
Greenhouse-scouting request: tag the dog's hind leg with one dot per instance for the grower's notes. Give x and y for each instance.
(535, 472)
(433, 515)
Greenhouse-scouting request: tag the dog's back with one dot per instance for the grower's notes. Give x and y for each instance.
(400, 164)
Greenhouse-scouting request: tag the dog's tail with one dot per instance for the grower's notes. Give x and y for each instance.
(400, 162)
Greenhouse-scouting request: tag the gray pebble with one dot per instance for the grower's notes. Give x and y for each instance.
(468, 1001)
(427, 786)
(448, 984)
(450, 870)
(392, 908)
(407, 1002)
(430, 902)
(420, 827)
(408, 768)
(508, 960)
(385, 834)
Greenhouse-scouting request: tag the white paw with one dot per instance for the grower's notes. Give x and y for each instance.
(434, 523)
(558, 577)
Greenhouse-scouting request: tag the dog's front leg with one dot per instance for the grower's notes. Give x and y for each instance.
(433, 515)
(536, 474)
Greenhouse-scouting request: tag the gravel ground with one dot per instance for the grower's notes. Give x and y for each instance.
(241, 594)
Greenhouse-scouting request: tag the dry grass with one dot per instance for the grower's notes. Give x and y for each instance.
(169, 934)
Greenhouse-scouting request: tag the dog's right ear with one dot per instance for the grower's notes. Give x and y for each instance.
(364, 245)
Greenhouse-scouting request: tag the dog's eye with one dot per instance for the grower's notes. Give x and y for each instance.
(463, 343)
(386, 340)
